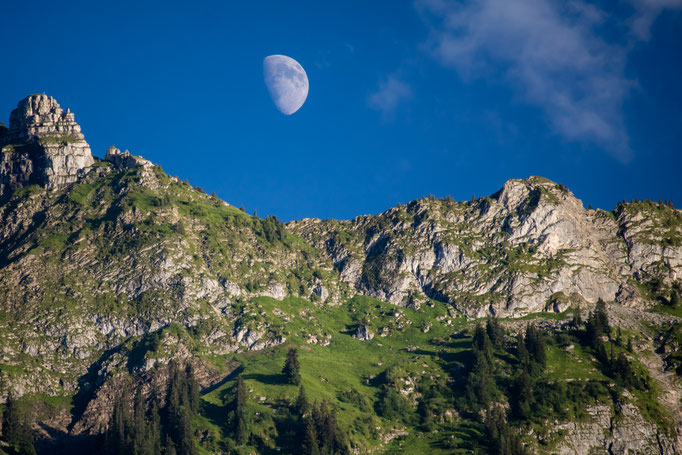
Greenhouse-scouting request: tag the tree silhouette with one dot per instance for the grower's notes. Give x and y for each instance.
(292, 369)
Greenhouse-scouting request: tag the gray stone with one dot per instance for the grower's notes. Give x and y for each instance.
(362, 333)
(125, 160)
(43, 145)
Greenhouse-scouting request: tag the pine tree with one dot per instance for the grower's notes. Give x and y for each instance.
(140, 428)
(178, 411)
(292, 369)
(326, 430)
(12, 422)
(495, 332)
(535, 343)
(481, 343)
(241, 432)
(593, 330)
(521, 351)
(152, 443)
(310, 445)
(675, 299)
(522, 395)
(193, 391)
(602, 317)
(185, 445)
(302, 403)
(118, 438)
(16, 427)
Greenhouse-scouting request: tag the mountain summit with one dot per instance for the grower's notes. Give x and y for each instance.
(43, 145)
(112, 273)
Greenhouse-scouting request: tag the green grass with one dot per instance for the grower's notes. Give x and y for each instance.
(346, 364)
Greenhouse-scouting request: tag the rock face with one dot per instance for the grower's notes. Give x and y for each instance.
(125, 160)
(530, 247)
(621, 434)
(43, 145)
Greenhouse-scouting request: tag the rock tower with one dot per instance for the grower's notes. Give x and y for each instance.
(43, 145)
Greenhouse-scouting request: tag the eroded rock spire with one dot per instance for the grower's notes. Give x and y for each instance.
(43, 145)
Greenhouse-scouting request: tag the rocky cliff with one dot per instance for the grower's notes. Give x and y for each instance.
(43, 145)
(530, 247)
(111, 268)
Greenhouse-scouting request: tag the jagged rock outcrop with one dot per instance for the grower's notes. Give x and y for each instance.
(43, 145)
(622, 433)
(125, 160)
(529, 247)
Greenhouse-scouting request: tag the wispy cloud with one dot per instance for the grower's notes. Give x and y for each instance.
(646, 13)
(390, 94)
(551, 52)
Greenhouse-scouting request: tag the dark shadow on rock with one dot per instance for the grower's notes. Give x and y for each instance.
(62, 443)
(87, 385)
(230, 376)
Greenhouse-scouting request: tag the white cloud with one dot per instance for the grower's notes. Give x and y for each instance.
(552, 52)
(646, 12)
(390, 94)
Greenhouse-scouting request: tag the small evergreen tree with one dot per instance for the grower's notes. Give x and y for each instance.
(602, 317)
(535, 343)
(193, 391)
(495, 332)
(302, 403)
(310, 445)
(241, 432)
(292, 369)
(521, 351)
(16, 427)
(481, 344)
(522, 395)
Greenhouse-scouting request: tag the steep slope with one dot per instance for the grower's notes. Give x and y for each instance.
(530, 247)
(111, 271)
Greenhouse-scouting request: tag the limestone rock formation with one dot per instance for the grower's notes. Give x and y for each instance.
(43, 145)
(530, 247)
(125, 160)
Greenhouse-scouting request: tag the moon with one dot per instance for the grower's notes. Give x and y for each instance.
(286, 81)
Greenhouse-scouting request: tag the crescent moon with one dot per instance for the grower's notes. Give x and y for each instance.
(286, 81)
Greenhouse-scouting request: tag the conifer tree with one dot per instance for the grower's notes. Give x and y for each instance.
(602, 317)
(535, 343)
(302, 403)
(522, 395)
(310, 445)
(481, 344)
(178, 411)
(140, 427)
(118, 438)
(521, 351)
(495, 332)
(239, 404)
(12, 422)
(16, 427)
(292, 369)
(193, 391)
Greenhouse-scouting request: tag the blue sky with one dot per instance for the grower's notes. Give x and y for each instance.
(406, 99)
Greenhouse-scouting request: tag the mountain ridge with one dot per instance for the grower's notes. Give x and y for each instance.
(97, 257)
